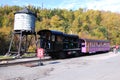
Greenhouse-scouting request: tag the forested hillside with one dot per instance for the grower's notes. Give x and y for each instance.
(92, 24)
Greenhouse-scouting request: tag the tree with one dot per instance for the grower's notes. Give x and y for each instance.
(92, 24)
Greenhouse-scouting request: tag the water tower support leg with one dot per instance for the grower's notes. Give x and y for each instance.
(10, 44)
(26, 43)
(36, 42)
(19, 49)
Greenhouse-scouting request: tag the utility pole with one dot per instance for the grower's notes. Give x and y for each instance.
(42, 5)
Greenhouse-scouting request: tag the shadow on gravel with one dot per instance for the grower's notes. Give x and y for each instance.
(33, 65)
(91, 54)
(87, 54)
(55, 62)
(38, 64)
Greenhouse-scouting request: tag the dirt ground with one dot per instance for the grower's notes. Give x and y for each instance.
(94, 67)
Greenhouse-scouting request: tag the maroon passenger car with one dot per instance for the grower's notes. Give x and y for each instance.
(93, 46)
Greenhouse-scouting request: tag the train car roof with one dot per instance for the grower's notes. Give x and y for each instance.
(51, 31)
(58, 33)
(71, 35)
(91, 40)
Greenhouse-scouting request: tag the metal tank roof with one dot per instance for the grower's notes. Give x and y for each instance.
(27, 11)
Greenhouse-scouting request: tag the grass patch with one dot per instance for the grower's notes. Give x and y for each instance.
(29, 55)
(26, 55)
(5, 57)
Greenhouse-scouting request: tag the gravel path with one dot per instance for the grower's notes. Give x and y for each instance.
(95, 67)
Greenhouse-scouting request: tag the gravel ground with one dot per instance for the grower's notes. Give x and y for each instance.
(95, 67)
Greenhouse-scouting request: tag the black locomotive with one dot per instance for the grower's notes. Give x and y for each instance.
(58, 44)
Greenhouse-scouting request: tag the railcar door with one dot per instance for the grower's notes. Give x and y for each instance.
(87, 46)
(45, 40)
(82, 45)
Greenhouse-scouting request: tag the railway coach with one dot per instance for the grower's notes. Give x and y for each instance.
(58, 44)
(94, 46)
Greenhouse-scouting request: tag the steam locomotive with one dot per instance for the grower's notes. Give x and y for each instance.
(60, 45)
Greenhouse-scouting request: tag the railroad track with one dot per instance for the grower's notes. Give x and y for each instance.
(9, 62)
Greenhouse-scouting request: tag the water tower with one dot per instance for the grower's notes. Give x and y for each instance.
(24, 33)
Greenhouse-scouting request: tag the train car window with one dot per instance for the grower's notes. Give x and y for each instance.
(101, 44)
(87, 44)
(59, 38)
(83, 44)
(90, 44)
(65, 39)
(104, 44)
(98, 44)
(53, 38)
(93, 44)
(66, 44)
(42, 36)
(47, 35)
(74, 42)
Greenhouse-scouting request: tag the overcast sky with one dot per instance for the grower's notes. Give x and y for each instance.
(107, 5)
